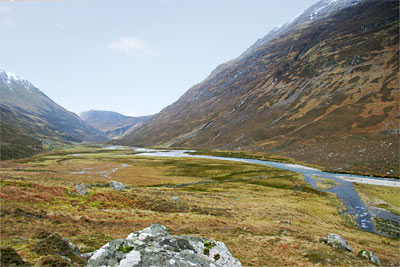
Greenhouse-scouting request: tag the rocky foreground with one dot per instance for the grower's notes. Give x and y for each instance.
(53, 204)
(154, 246)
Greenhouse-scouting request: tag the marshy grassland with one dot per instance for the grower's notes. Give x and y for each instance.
(325, 183)
(382, 197)
(266, 216)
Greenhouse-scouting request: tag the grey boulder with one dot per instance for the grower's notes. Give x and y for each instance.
(369, 255)
(117, 185)
(154, 246)
(337, 241)
(175, 199)
(81, 188)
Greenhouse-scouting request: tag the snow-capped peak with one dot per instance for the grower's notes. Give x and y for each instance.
(9, 77)
(327, 6)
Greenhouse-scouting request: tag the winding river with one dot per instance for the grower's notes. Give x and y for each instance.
(344, 190)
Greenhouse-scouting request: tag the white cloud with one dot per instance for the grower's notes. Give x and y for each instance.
(59, 26)
(4, 9)
(5, 22)
(132, 47)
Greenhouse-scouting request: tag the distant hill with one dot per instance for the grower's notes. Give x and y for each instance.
(30, 119)
(112, 124)
(322, 89)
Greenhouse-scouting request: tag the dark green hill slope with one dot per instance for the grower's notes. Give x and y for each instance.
(29, 120)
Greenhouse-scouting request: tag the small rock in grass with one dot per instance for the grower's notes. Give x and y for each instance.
(284, 221)
(175, 199)
(117, 185)
(337, 241)
(81, 188)
(369, 255)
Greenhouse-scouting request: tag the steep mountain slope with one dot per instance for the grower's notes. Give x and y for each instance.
(322, 89)
(30, 119)
(112, 124)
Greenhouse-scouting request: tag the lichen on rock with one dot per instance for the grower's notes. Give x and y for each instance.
(369, 255)
(81, 188)
(154, 246)
(117, 185)
(337, 241)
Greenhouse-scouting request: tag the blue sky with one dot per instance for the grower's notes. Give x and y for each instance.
(130, 56)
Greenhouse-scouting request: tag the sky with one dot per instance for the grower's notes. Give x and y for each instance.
(134, 57)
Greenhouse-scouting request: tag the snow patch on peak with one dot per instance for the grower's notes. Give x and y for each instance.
(324, 7)
(276, 28)
(14, 76)
(9, 77)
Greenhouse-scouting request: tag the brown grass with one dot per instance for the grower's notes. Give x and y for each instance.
(242, 213)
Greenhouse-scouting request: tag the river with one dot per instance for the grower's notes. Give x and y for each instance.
(344, 190)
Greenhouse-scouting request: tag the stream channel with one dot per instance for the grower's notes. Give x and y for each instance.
(344, 190)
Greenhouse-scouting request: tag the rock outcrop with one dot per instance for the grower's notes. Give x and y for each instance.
(154, 246)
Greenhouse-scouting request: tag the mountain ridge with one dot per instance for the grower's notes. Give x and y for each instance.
(323, 85)
(31, 120)
(112, 124)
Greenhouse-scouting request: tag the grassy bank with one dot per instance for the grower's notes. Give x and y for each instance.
(382, 197)
(281, 158)
(267, 217)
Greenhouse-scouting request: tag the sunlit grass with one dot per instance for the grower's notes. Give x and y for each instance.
(381, 196)
(325, 183)
(241, 207)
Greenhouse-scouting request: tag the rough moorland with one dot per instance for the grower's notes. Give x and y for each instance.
(265, 216)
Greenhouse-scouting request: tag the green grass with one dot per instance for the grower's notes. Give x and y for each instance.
(325, 183)
(380, 196)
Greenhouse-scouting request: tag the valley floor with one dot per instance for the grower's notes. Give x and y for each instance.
(265, 216)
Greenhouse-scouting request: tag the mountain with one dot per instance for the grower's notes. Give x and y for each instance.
(322, 89)
(112, 124)
(29, 120)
